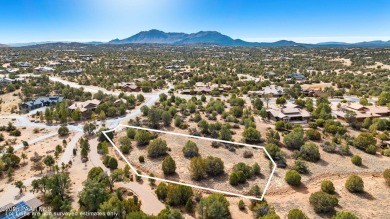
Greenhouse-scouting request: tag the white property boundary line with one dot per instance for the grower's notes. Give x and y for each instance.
(190, 185)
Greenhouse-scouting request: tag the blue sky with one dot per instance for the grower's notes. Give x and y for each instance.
(252, 20)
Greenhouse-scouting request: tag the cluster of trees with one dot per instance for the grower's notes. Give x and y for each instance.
(55, 190)
(210, 166)
(11, 129)
(242, 172)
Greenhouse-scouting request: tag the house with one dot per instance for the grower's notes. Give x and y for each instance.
(24, 64)
(86, 58)
(85, 107)
(130, 87)
(295, 76)
(11, 81)
(361, 111)
(41, 102)
(11, 70)
(312, 93)
(271, 74)
(272, 90)
(52, 64)
(5, 81)
(43, 69)
(289, 113)
(21, 209)
(172, 67)
(72, 72)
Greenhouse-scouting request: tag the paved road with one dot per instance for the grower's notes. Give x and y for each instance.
(33, 141)
(150, 203)
(68, 153)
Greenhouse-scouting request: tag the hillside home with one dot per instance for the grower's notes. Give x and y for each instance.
(289, 113)
(272, 90)
(295, 76)
(43, 69)
(24, 64)
(72, 72)
(361, 111)
(85, 107)
(129, 87)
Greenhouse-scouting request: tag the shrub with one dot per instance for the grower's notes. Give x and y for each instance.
(364, 140)
(233, 179)
(296, 214)
(256, 169)
(214, 166)
(214, 206)
(344, 150)
(271, 216)
(354, 184)
(329, 147)
(272, 149)
(168, 165)
(313, 125)
(178, 195)
(190, 149)
(63, 131)
(327, 186)
(162, 191)
(247, 154)
(142, 137)
(371, 149)
(294, 140)
(241, 205)
(246, 170)
(157, 148)
(323, 202)
(301, 166)
(189, 206)
(251, 135)
(197, 168)
(112, 163)
(344, 215)
(279, 125)
(357, 160)
(386, 175)
(386, 152)
(309, 151)
(313, 135)
(130, 132)
(141, 159)
(293, 178)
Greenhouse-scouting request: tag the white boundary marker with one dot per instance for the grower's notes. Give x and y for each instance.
(185, 184)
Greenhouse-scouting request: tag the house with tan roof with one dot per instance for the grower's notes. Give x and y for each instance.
(85, 107)
(361, 111)
(129, 86)
(272, 90)
(289, 113)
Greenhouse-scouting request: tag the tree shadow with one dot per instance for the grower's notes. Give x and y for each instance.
(301, 189)
(323, 163)
(365, 195)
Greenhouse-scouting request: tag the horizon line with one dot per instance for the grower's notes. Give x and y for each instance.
(299, 39)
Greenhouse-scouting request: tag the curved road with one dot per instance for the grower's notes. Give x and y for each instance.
(150, 203)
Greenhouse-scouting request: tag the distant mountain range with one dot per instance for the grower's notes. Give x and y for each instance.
(213, 38)
(3, 45)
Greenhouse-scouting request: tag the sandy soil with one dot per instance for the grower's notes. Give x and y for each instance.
(379, 64)
(24, 173)
(374, 200)
(346, 62)
(176, 143)
(9, 101)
